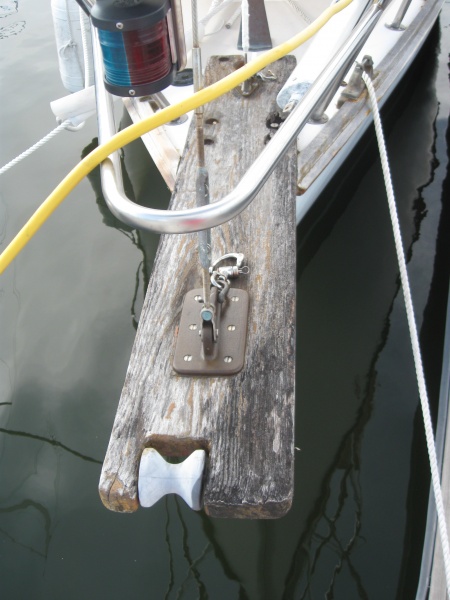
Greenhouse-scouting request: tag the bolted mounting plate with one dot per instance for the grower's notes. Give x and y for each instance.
(232, 326)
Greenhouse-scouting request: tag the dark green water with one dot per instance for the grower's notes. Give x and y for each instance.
(68, 312)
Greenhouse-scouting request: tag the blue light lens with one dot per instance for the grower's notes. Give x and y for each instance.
(114, 58)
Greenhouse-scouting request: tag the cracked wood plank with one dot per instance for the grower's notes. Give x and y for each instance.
(244, 422)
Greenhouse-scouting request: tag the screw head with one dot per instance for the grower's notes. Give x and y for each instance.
(207, 315)
(119, 25)
(131, 92)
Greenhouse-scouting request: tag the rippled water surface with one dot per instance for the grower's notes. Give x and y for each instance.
(68, 314)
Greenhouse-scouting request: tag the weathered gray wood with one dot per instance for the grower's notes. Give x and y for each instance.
(244, 422)
(344, 126)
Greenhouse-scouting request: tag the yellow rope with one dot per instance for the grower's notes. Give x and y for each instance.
(170, 113)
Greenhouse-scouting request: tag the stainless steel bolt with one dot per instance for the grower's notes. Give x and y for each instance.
(207, 315)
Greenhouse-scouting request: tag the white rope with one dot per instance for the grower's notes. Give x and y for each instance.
(84, 26)
(87, 75)
(216, 7)
(36, 146)
(300, 10)
(232, 19)
(413, 334)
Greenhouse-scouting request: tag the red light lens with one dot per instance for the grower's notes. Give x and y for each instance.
(148, 53)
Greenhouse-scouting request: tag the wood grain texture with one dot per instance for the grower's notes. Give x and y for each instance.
(244, 422)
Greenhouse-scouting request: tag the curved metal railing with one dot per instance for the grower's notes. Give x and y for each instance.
(217, 213)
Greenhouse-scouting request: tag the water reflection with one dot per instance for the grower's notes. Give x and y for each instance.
(136, 160)
(335, 527)
(44, 515)
(193, 557)
(193, 571)
(134, 235)
(50, 441)
(336, 522)
(7, 8)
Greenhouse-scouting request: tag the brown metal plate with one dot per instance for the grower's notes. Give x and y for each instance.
(230, 356)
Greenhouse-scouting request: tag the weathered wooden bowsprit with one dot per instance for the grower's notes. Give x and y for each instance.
(243, 422)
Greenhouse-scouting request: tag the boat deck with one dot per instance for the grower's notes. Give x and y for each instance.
(243, 421)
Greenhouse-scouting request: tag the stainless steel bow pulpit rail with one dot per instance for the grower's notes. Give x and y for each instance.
(188, 220)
